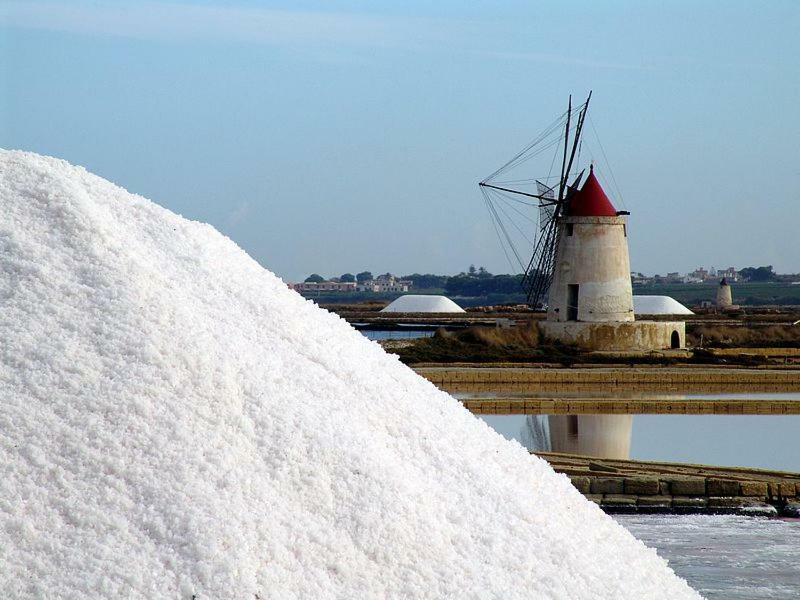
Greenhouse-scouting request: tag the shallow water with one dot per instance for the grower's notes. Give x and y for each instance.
(759, 441)
(726, 556)
(721, 556)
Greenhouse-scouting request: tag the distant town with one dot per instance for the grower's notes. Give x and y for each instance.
(346, 283)
(703, 275)
(753, 286)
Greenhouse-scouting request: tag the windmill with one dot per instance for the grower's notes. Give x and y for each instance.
(551, 200)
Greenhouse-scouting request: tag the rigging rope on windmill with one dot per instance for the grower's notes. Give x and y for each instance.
(549, 200)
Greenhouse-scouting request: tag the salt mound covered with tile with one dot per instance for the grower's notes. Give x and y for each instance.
(423, 303)
(174, 421)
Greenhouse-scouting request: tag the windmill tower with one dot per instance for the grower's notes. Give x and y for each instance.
(724, 296)
(580, 263)
(591, 278)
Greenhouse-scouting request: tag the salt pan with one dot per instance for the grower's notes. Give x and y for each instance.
(174, 421)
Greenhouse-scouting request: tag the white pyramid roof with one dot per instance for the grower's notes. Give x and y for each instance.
(658, 305)
(422, 303)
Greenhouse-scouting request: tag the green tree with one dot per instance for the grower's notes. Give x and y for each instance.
(464, 285)
(315, 278)
(347, 278)
(758, 273)
(427, 281)
(363, 276)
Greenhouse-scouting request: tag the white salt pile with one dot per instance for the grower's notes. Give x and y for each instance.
(174, 421)
(658, 305)
(423, 303)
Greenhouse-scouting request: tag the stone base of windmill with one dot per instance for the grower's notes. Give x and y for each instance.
(619, 336)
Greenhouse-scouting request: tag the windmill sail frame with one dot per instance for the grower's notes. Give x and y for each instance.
(538, 274)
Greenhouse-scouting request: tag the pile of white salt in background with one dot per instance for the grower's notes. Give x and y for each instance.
(174, 421)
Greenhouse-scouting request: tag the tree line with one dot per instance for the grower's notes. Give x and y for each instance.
(475, 281)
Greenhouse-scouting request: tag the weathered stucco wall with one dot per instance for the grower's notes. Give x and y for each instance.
(724, 296)
(595, 257)
(622, 335)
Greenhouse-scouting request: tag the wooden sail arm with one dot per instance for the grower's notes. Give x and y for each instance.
(547, 201)
(564, 174)
(577, 136)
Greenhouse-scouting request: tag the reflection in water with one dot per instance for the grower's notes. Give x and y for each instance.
(535, 433)
(755, 441)
(607, 436)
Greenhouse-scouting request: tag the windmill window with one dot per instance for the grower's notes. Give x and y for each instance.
(625, 230)
(569, 228)
(572, 302)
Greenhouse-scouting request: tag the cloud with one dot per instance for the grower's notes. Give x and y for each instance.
(177, 21)
(312, 33)
(238, 214)
(564, 60)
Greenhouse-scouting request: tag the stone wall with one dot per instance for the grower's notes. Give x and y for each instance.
(617, 336)
(640, 486)
(724, 296)
(648, 494)
(592, 253)
(510, 377)
(609, 407)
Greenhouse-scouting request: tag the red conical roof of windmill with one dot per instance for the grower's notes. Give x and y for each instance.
(591, 200)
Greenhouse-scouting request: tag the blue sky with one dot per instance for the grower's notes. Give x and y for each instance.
(340, 136)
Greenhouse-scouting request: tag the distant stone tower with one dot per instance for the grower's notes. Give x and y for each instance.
(590, 299)
(724, 296)
(592, 277)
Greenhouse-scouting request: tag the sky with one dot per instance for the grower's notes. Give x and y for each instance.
(336, 137)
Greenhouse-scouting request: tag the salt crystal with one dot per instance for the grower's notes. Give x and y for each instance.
(174, 421)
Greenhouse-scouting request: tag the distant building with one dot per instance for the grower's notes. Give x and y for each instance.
(381, 284)
(324, 286)
(385, 283)
(698, 275)
(640, 279)
(701, 275)
(730, 274)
